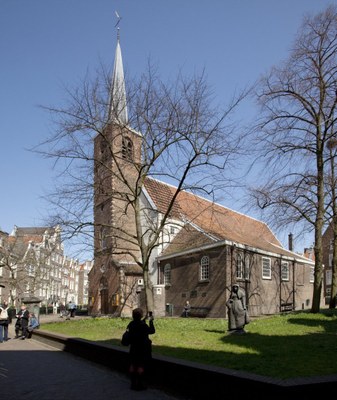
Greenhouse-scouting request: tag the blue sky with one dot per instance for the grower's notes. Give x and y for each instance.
(48, 44)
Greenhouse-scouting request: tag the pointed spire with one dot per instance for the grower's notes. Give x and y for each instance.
(118, 108)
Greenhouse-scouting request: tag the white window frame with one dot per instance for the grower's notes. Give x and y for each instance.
(204, 269)
(284, 271)
(167, 274)
(266, 268)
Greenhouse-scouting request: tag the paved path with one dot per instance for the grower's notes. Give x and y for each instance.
(31, 370)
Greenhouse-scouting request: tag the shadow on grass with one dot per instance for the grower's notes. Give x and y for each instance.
(275, 355)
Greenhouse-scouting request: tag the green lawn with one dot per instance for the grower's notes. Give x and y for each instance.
(298, 344)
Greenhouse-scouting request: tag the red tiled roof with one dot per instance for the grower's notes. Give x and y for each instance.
(212, 219)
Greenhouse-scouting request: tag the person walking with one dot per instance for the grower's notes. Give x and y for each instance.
(72, 309)
(5, 320)
(138, 332)
(22, 322)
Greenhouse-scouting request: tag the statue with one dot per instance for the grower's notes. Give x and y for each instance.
(237, 310)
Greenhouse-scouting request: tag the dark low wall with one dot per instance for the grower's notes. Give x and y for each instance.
(188, 379)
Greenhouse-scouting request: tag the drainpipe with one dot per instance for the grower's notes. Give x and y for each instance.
(293, 285)
(280, 277)
(291, 248)
(231, 270)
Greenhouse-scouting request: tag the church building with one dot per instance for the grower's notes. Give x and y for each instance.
(200, 252)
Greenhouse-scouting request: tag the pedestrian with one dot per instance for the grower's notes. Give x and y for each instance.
(5, 320)
(72, 309)
(33, 323)
(138, 332)
(237, 310)
(22, 322)
(187, 309)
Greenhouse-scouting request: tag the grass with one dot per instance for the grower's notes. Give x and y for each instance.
(299, 344)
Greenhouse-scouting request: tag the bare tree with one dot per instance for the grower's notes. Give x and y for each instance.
(16, 261)
(298, 103)
(10, 263)
(332, 215)
(182, 138)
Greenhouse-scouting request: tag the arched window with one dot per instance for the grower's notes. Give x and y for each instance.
(239, 266)
(167, 274)
(127, 149)
(204, 268)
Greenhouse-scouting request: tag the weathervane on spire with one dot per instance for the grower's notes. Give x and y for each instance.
(117, 23)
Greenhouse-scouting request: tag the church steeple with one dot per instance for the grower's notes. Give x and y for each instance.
(118, 105)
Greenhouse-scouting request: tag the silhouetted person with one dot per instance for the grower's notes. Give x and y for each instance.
(140, 347)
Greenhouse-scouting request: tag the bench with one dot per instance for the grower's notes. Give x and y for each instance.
(286, 307)
(200, 312)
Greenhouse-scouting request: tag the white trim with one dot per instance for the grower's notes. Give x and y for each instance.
(298, 259)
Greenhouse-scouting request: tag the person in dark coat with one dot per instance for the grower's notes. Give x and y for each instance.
(22, 322)
(237, 310)
(140, 347)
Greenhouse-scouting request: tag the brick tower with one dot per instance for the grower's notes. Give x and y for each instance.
(117, 155)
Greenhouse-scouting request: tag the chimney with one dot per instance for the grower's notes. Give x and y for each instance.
(290, 242)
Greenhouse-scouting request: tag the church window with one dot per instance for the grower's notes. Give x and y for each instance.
(204, 268)
(167, 274)
(239, 267)
(285, 271)
(266, 268)
(127, 149)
